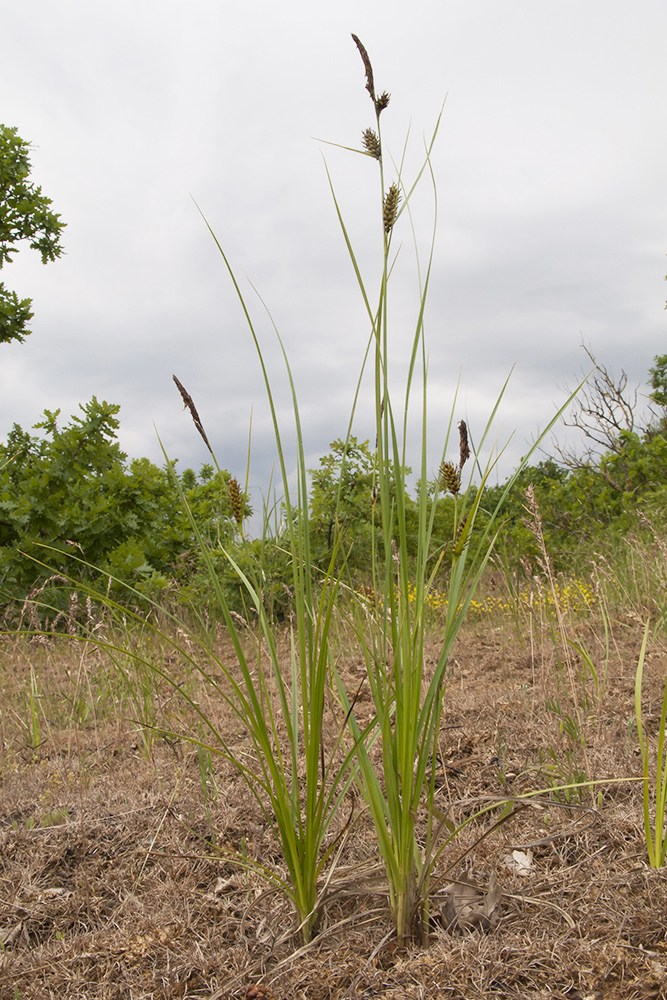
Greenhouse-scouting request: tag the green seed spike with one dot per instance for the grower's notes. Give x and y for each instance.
(236, 500)
(372, 143)
(391, 201)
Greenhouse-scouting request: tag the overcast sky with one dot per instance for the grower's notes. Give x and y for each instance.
(551, 168)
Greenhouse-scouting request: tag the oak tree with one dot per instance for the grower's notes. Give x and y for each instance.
(25, 214)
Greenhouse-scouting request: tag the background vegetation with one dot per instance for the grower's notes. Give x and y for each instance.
(73, 489)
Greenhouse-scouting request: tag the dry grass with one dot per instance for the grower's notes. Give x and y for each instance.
(114, 881)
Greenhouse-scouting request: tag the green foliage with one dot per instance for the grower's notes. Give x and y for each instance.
(638, 465)
(344, 514)
(25, 214)
(582, 508)
(263, 560)
(341, 505)
(658, 380)
(72, 489)
(517, 542)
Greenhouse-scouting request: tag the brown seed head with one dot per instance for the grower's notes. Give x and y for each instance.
(187, 399)
(450, 478)
(370, 83)
(464, 450)
(236, 500)
(371, 142)
(391, 201)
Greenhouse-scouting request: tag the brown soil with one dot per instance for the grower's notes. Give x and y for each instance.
(113, 884)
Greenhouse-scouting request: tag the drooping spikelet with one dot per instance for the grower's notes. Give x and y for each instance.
(187, 399)
(235, 499)
(464, 450)
(450, 478)
(372, 143)
(391, 201)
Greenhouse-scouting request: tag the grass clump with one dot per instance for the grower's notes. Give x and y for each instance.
(407, 700)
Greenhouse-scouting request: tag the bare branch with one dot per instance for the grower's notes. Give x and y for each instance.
(603, 409)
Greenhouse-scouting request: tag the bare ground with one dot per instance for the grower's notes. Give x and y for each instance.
(114, 881)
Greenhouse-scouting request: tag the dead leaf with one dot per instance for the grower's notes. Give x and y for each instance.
(520, 862)
(468, 905)
(13, 934)
(224, 883)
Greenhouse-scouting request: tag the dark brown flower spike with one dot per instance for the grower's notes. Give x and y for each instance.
(187, 399)
(381, 102)
(464, 450)
(370, 83)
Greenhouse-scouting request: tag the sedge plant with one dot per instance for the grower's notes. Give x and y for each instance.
(297, 776)
(398, 781)
(300, 774)
(297, 773)
(298, 770)
(407, 702)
